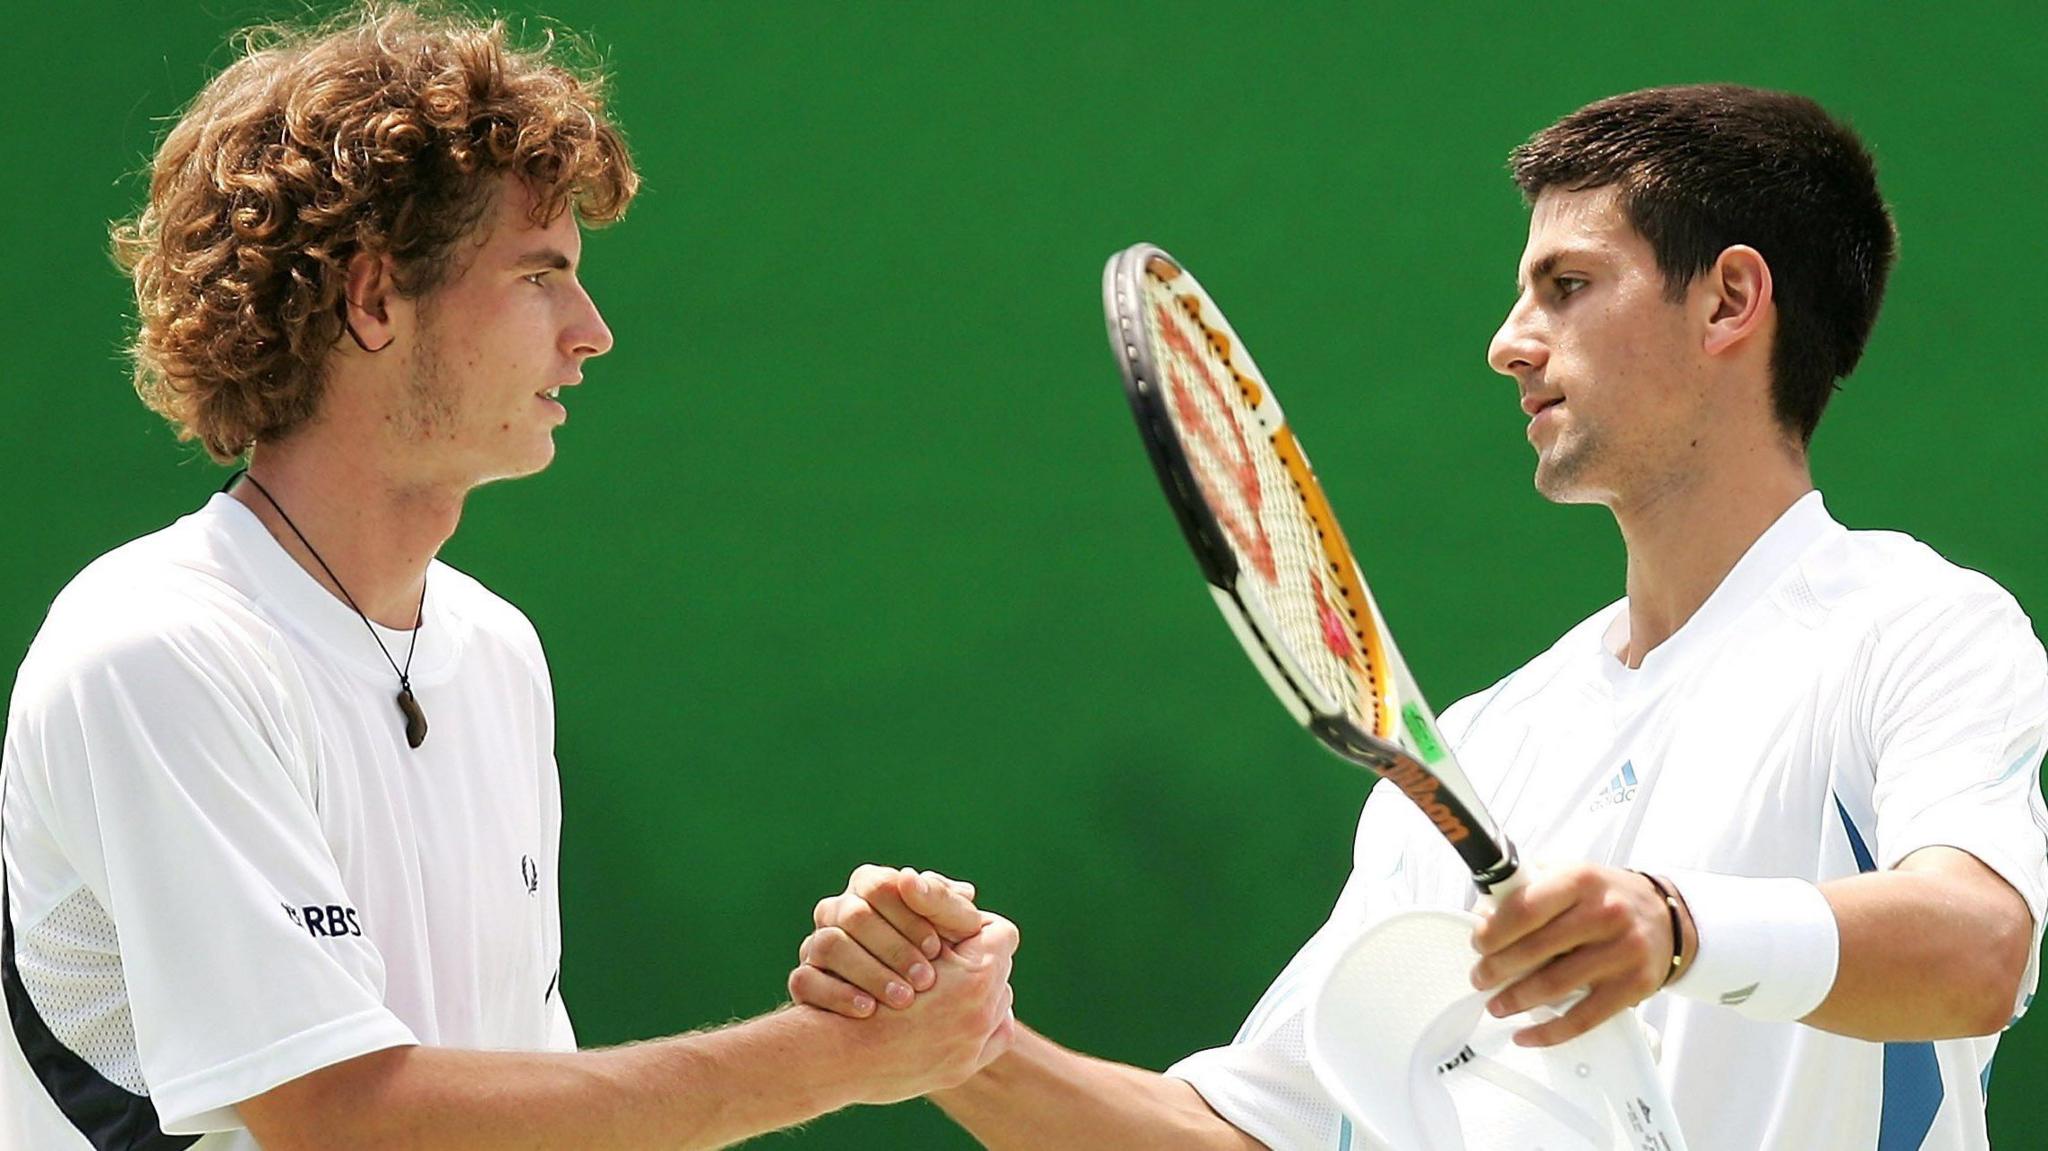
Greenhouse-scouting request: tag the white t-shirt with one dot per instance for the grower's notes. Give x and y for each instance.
(224, 866)
(1840, 701)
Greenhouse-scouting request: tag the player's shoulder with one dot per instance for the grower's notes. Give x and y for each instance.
(169, 596)
(180, 580)
(1875, 582)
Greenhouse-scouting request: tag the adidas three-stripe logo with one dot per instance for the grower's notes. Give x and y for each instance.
(1619, 790)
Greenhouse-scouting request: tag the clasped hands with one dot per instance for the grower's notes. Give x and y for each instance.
(920, 970)
(910, 952)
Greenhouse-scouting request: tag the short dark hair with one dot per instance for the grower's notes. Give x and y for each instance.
(1703, 167)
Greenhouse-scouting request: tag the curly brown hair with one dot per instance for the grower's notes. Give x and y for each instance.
(383, 131)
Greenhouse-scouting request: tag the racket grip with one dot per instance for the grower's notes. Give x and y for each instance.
(1646, 1112)
(1492, 895)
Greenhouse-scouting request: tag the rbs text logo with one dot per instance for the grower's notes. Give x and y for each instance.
(330, 919)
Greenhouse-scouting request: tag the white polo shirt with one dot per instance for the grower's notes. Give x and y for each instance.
(1840, 701)
(224, 866)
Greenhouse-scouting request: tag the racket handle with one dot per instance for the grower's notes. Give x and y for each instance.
(1627, 1068)
(1630, 1075)
(1491, 897)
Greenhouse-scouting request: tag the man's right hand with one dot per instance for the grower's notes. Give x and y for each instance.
(897, 944)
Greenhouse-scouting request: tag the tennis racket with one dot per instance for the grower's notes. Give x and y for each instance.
(1270, 547)
(1279, 568)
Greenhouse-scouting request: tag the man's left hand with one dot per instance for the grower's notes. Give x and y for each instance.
(1599, 930)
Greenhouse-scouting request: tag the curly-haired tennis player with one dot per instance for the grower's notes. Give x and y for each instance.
(280, 800)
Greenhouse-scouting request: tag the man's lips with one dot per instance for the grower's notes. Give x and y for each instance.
(1533, 404)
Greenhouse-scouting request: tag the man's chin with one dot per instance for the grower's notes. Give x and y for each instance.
(531, 463)
(538, 464)
(1558, 481)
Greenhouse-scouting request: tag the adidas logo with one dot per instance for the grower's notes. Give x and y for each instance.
(1619, 790)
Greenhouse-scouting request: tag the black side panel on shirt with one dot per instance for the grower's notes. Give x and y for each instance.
(112, 1118)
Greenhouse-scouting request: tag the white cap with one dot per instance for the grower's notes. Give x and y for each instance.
(1404, 1045)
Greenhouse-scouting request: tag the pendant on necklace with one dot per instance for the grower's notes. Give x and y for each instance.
(415, 719)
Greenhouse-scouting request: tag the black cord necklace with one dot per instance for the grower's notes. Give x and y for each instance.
(415, 719)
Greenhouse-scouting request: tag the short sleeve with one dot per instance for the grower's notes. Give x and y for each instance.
(1956, 713)
(1261, 1083)
(1457, 719)
(168, 769)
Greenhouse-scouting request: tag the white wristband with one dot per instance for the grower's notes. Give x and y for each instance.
(1768, 948)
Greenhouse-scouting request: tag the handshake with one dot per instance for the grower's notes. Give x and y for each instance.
(917, 976)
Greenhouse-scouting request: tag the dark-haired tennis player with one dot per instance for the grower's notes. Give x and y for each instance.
(1824, 741)
(280, 800)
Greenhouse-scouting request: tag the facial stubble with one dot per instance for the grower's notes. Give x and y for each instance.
(430, 401)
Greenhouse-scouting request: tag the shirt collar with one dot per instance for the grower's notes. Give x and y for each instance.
(303, 604)
(1798, 528)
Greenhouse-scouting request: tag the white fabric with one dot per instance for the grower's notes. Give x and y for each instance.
(1775, 945)
(1836, 682)
(224, 866)
(1400, 1039)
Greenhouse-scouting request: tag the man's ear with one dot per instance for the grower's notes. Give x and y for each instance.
(1738, 291)
(365, 308)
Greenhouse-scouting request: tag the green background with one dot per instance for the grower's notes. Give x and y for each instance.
(851, 552)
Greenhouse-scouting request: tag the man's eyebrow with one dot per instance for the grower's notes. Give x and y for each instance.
(543, 258)
(1543, 267)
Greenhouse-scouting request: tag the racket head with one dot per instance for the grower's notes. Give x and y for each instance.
(1269, 545)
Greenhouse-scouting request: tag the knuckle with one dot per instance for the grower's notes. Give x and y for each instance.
(906, 953)
(809, 986)
(827, 943)
(1002, 935)
(858, 916)
(1654, 945)
(1632, 936)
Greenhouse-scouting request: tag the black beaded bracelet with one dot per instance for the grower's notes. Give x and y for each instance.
(1677, 938)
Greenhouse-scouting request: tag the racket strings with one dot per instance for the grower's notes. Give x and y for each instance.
(1349, 584)
(1257, 492)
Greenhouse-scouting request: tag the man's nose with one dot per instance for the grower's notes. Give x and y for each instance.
(1517, 348)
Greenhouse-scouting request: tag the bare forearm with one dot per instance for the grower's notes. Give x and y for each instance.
(683, 1094)
(1043, 1097)
(1933, 949)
